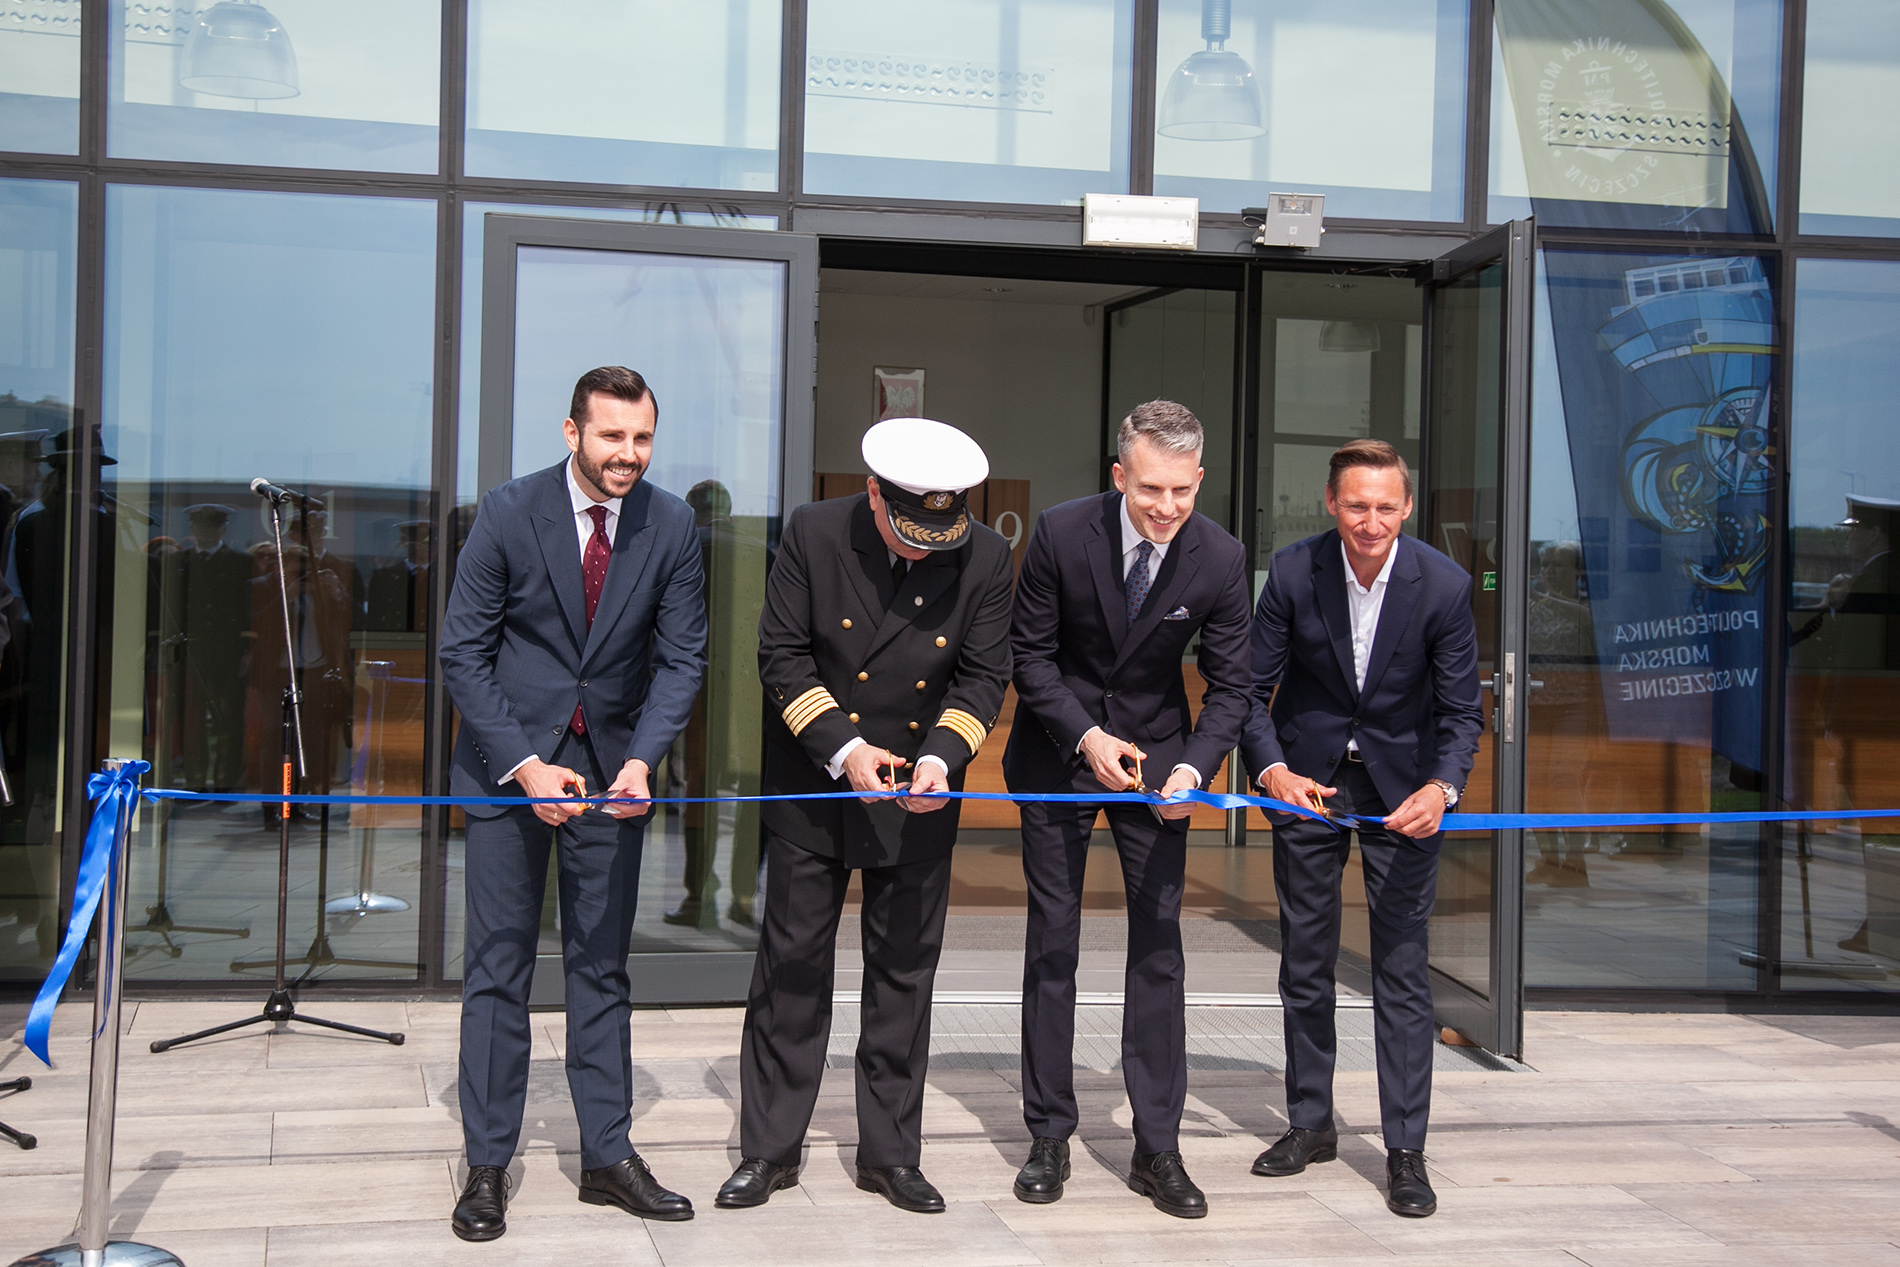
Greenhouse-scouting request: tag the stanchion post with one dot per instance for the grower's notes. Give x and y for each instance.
(95, 1210)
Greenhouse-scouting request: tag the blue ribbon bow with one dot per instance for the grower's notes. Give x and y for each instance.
(114, 794)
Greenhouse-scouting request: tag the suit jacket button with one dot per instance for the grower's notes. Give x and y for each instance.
(557, 730)
(919, 600)
(920, 686)
(942, 641)
(854, 718)
(863, 676)
(583, 686)
(913, 725)
(846, 622)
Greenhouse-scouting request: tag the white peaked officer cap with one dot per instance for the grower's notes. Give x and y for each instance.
(924, 470)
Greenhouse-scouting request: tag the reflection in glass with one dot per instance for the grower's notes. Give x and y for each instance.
(1364, 101)
(1651, 497)
(1850, 98)
(38, 253)
(287, 336)
(1636, 113)
(647, 92)
(39, 76)
(1840, 918)
(973, 100)
(351, 84)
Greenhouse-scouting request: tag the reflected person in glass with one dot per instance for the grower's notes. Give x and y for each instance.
(573, 645)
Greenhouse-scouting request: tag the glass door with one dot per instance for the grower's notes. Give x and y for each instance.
(722, 323)
(1476, 492)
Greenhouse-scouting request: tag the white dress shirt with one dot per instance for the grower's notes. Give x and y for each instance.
(835, 766)
(583, 529)
(1131, 542)
(1363, 604)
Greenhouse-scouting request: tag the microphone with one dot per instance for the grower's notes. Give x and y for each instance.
(278, 493)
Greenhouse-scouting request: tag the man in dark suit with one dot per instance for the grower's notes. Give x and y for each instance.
(211, 605)
(1113, 590)
(1365, 662)
(573, 645)
(884, 649)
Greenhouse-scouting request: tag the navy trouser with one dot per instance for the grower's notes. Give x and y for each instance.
(598, 860)
(1154, 1015)
(788, 1010)
(1401, 877)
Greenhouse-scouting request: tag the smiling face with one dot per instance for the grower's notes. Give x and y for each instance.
(1371, 506)
(1160, 487)
(613, 449)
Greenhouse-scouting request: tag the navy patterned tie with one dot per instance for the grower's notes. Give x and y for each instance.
(1138, 580)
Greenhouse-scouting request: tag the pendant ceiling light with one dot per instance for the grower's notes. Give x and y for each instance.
(239, 49)
(1212, 96)
(1349, 336)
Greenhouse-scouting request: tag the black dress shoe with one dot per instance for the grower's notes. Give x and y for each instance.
(1407, 1191)
(631, 1186)
(754, 1182)
(1040, 1180)
(1296, 1150)
(1163, 1177)
(903, 1186)
(481, 1214)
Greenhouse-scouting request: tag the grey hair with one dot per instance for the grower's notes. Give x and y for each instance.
(1170, 427)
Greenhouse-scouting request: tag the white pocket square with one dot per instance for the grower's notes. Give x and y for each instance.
(1179, 613)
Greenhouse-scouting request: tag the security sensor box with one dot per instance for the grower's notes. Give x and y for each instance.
(1288, 220)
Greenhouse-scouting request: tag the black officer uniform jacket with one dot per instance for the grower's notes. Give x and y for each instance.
(919, 671)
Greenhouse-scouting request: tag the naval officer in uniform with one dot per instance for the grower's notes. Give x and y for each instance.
(884, 650)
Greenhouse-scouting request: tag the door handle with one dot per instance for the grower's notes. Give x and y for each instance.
(1504, 691)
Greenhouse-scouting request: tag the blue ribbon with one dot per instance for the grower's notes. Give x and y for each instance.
(114, 794)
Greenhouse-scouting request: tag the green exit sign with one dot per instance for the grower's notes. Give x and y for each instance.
(1490, 581)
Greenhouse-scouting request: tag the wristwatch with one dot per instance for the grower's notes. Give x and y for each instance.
(1451, 793)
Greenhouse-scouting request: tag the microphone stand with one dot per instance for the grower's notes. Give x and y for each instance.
(280, 1009)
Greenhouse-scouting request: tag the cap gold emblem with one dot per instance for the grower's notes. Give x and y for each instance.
(937, 501)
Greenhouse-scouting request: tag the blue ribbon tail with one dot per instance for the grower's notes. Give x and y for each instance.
(114, 794)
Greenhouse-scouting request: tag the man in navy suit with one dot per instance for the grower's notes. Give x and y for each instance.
(573, 646)
(1113, 590)
(1365, 663)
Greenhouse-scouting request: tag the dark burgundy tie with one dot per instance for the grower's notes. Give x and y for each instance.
(594, 561)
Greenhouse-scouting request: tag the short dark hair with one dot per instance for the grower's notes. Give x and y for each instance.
(1170, 427)
(1374, 453)
(610, 380)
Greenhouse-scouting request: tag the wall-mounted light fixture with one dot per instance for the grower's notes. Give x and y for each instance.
(1212, 96)
(239, 49)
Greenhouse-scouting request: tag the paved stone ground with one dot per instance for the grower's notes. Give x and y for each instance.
(1672, 1140)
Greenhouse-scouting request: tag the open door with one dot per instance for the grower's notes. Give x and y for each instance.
(1476, 486)
(722, 323)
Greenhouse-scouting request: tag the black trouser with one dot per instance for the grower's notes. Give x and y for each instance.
(788, 1013)
(1401, 877)
(1154, 1018)
(599, 865)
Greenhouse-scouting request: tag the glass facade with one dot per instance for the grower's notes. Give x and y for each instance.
(617, 93)
(287, 336)
(1840, 882)
(1850, 142)
(968, 100)
(1629, 114)
(39, 76)
(182, 258)
(1257, 96)
(39, 240)
(352, 84)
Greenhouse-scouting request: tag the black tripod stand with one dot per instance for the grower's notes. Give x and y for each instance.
(280, 1008)
(19, 1137)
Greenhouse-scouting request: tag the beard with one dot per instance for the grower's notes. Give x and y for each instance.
(595, 473)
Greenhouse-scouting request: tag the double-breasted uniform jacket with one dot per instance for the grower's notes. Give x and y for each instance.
(918, 670)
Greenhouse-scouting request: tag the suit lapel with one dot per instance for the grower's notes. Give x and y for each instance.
(1177, 569)
(1395, 613)
(1104, 551)
(633, 546)
(1329, 582)
(929, 577)
(869, 566)
(553, 520)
